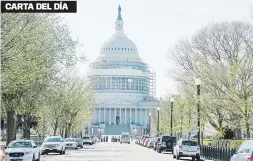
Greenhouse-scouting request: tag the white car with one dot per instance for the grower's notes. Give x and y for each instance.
(125, 137)
(245, 152)
(87, 140)
(53, 144)
(187, 148)
(22, 150)
(71, 143)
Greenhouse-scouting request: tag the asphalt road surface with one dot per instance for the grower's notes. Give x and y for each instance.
(110, 152)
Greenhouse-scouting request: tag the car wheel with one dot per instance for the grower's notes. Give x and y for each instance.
(174, 155)
(64, 151)
(193, 158)
(160, 150)
(61, 152)
(198, 158)
(38, 158)
(120, 142)
(177, 157)
(33, 158)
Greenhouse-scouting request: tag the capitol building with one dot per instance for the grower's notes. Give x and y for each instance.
(124, 87)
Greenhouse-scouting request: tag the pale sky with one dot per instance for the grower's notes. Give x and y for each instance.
(155, 26)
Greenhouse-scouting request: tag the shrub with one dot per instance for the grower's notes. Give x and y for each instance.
(224, 143)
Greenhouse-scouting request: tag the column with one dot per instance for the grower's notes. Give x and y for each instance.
(140, 116)
(135, 115)
(110, 116)
(94, 117)
(105, 115)
(99, 116)
(115, 115)
(130, 116)
(146, 117)
(120, 116)
(125, 115)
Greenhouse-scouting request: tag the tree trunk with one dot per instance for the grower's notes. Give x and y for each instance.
(55, 127)
(247, 128)
(66, 131)
(27, 127)
(10, 125)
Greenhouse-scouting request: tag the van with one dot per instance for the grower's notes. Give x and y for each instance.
(125, 137)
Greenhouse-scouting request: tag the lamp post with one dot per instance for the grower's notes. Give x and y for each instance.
(171, 115)
(158, 120)
(149, 124)
(198, 83)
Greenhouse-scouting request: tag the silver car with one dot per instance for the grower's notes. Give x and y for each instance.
(244, 153)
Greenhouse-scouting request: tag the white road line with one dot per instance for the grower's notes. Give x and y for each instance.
(114, 153)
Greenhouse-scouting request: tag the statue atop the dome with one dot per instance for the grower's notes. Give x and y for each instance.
(119, 9)
(119, 13)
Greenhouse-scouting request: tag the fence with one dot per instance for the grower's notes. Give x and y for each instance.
(217, 153)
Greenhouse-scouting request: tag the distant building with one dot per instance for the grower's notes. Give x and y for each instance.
(125, 87)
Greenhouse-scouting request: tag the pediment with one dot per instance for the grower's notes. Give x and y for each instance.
(117, 101)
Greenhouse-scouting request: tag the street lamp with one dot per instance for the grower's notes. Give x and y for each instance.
(149, 124)
(158, 120)
(171, 115)
(198, 83)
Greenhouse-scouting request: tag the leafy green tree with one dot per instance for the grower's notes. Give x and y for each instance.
(34, 47)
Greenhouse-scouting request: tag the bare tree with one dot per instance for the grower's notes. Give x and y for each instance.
(221, 55)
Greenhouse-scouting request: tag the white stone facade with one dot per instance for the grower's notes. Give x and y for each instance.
(122, 83)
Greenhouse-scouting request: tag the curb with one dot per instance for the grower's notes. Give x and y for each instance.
(203, 159)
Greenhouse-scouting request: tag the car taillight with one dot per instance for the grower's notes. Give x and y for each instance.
(198, 148)
(180, 146)
(250, 159)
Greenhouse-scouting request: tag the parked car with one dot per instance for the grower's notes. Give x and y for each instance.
(71, 143)
(150, 143)
(143, 140)
(155, 143)
(125, 137)
(53, 144)
(79, 142)
(145, 144)
(245, 152)
(187, 148)
(22, 150)
(166, 143)
(87, 140)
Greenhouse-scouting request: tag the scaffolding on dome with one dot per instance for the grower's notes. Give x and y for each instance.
(152, 83)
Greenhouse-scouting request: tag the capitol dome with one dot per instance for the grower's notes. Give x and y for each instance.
(119, 44)
(119, 47)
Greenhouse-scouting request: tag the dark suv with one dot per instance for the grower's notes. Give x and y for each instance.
(166, 143)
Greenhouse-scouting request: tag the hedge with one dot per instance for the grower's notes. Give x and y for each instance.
(224, 143)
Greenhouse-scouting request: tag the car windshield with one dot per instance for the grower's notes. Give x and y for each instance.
(125, 136)
(189, 143)
(86, 137)
(20, 144)
(250, 145)
(169, 138)
(70, 140)
(53, 140)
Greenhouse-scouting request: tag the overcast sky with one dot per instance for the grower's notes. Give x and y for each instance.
(154, 25)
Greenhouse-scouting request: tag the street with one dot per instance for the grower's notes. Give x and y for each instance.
(110, 152)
